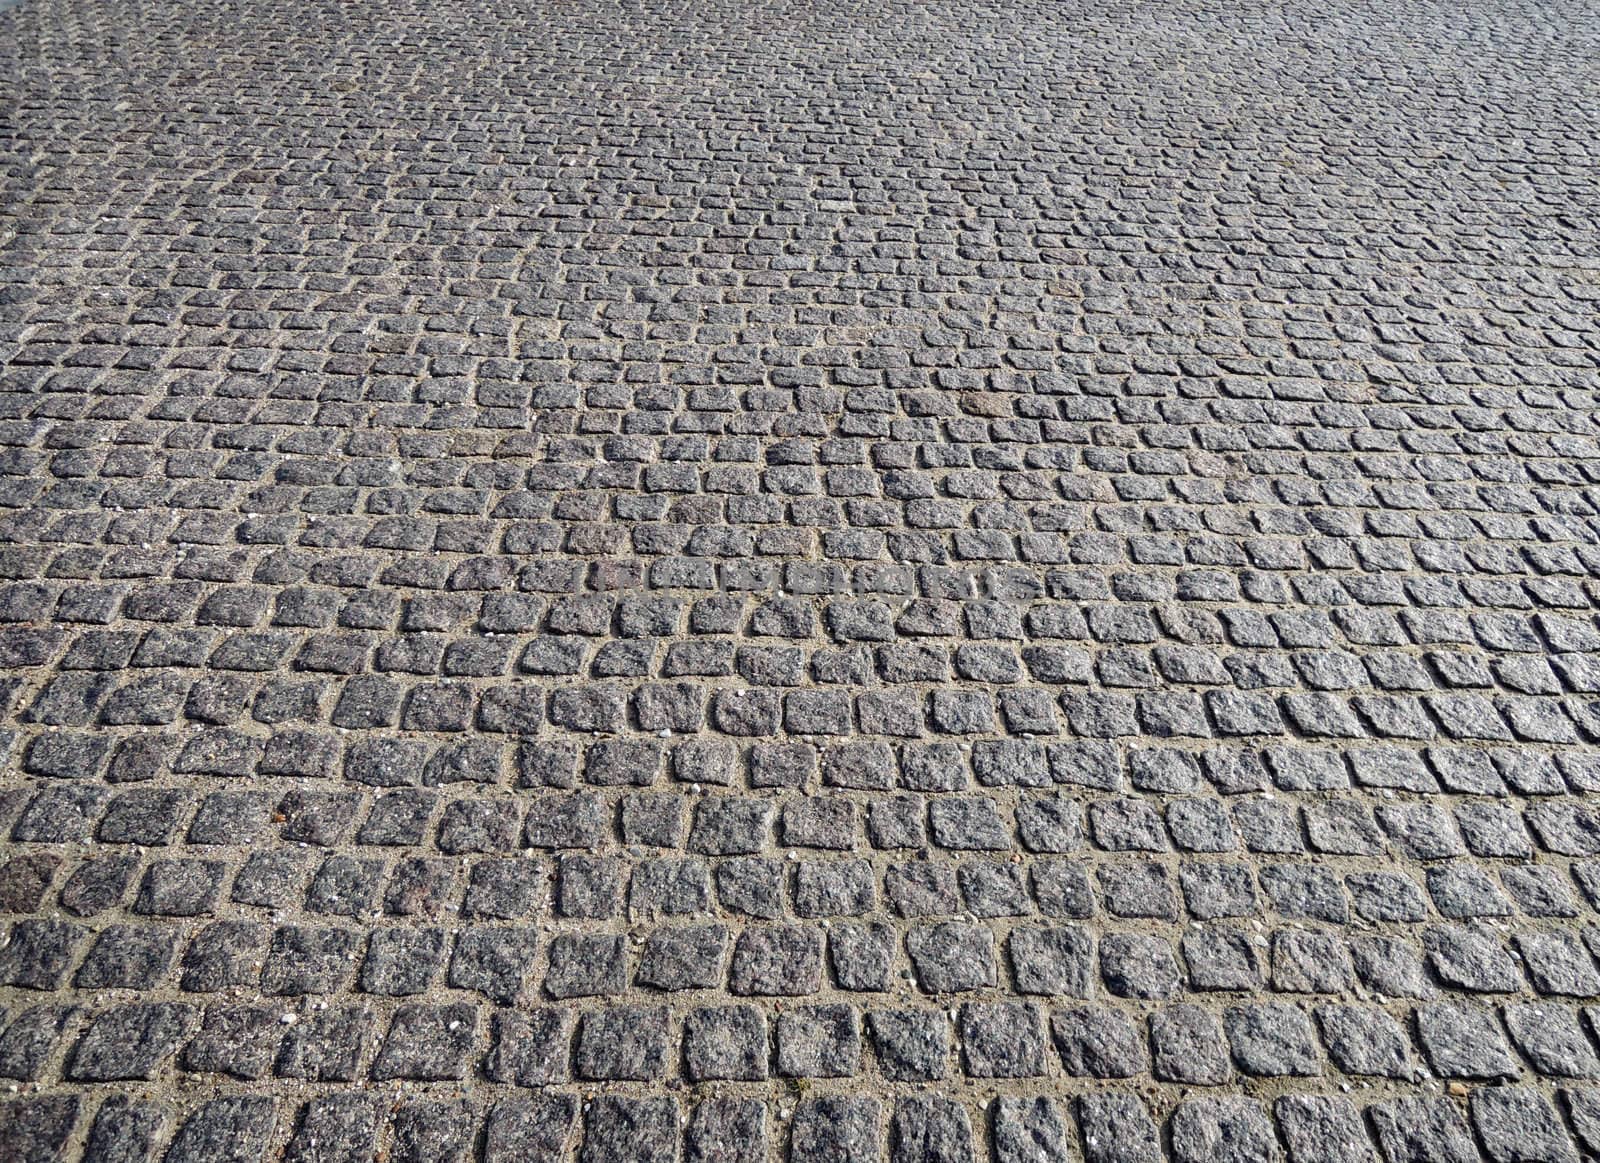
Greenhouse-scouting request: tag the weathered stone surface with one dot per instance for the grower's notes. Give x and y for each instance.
(1233, 1129)
(793, 580)
(1516, 1122)
(1001, 1040)
(1116, 1128)
(124, 1131)
(1028, 1130)
(1411, 1130)
(1322, 1129)
(229, 1130)
(130, 1042)
(929, 1130)
(839, 1130)
(615, 1129)
(910, 1045)
(537, 1128)
(427, 1043)
(340, 1126)
(726, 1130)
(37, 1126)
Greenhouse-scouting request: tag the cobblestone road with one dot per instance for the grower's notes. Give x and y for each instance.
(858, 581)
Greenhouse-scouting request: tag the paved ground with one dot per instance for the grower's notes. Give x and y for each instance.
(866, 580)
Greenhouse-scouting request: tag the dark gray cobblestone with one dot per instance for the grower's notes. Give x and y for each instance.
(921, 582)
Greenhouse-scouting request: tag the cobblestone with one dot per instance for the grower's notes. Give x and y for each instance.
(917, 582)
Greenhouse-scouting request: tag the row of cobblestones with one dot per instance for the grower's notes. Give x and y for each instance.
(746, 583)
(1510, 1122)
(1178, 1043)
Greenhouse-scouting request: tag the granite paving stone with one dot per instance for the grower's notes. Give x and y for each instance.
(744, 582)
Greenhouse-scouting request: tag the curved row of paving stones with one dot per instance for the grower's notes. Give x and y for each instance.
(755, 582)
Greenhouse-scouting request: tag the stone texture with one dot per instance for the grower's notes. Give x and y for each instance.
(784, 581)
